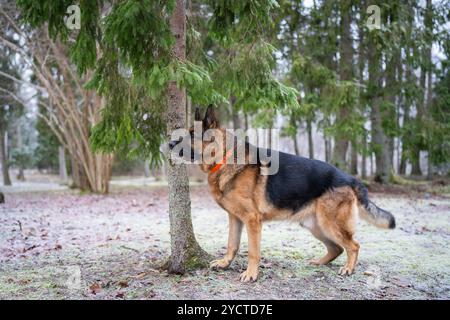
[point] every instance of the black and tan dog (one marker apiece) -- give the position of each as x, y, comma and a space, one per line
322, 198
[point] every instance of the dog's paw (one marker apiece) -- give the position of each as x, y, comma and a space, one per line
315, 262
345, 271
249, 275
219, 264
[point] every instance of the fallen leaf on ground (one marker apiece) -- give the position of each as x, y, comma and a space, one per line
95, 288
140, 276
29, 248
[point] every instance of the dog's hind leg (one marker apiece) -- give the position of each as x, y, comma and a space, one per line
352, 249
336, 218
234, 240
333, 249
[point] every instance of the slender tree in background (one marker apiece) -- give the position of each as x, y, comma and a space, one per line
345, 74
3, 155
10, 107
62, 164
21, 157
409, 92
428, 69
375, 96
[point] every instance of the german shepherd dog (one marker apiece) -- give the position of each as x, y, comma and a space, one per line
322, 198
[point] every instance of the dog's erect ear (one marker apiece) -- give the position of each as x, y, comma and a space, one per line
197, 115
210, 121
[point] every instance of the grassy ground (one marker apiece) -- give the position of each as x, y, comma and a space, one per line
61, 244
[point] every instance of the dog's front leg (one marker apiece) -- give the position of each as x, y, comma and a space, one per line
234, 241
254, 227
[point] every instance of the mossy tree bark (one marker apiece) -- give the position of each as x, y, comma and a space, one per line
186, 253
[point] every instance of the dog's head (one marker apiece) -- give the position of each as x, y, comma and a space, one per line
204, 137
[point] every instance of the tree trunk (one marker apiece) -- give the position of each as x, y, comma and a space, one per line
236, 120
293, 123
362, 59
354, 160
362, 50
364, 158
371, 164
185, 251
21, 174
339, 153
101, 171
62, 165
295, 142
428, 62
310, 139
407, 121
147, 172
4, 158
399, 105
415, 148
403, 159
327, 140
415, 152
415, 162
246, 122
269, 138
79, 179
74, 172
237, 123
379, 139
389, 114
429, 101
327, 148
345, 74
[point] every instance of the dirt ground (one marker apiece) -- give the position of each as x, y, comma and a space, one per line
62, 244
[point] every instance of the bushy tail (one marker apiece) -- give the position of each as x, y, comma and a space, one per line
369, 211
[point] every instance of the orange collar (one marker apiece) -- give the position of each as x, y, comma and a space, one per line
224, 160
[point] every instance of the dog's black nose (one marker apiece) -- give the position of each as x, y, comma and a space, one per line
172, 144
